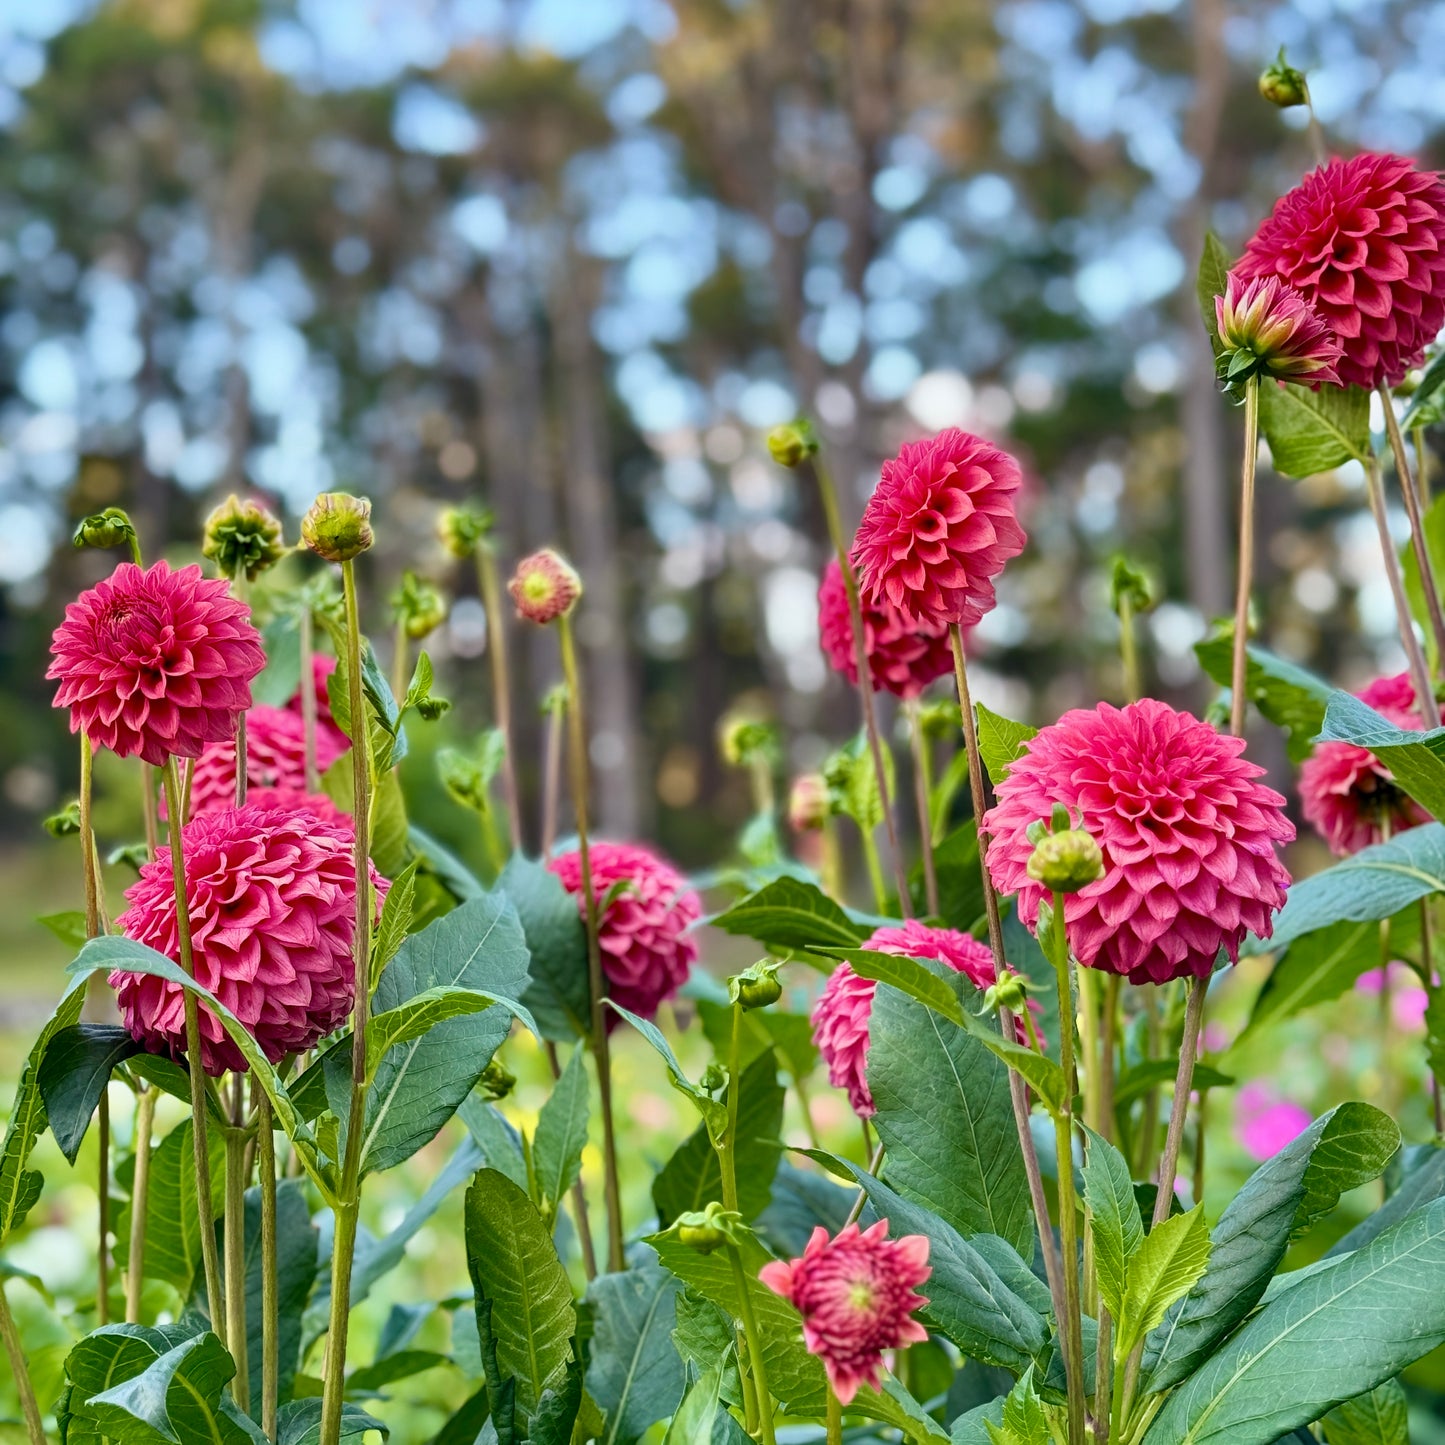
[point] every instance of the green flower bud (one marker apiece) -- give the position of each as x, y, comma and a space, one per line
743, 740
496, 1082
708, 1229
1282, 85
1010, 992
432, 707
1129, 585
417, 606
792, 444
713, 1078
756, 987
1067, 861
337, 526
242, 538
461, 530
554, 701
65, 823
110, 528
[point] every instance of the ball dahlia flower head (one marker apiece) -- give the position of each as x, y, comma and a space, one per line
155, 663
1347, 795
903, 656
275, 760
322, 667
1363, 243
938, 528
844, 1009
856, 1294
1189, 837
271, 895
647, 950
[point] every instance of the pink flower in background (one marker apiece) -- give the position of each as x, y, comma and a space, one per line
856, 1295
275, 758
1408, 1000
938, 528
1264, 1123
272, 902
1277, 327
155, 663
1188, 834
1346, 794
545, 587
843, 1010
294, 800
903, 656
322, 667
1363, 241
647, 950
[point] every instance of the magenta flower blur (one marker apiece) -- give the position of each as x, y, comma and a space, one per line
1265, 1123
275, 758
647, 951
856, 1295
322, 667
1188, 832
1268, 329
1363, 241
938, 528
903, 656
155, 663
272, 902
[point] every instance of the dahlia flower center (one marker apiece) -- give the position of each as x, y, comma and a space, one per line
536, 587
861, 1295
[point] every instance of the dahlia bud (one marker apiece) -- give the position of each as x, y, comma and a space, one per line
242, 538
1282, 85
461, 530
1268, 329
1129, 586
792, 444
1010, 992
337, 526
544, 587
65, 823
713, 1078
808, 803
431, 707
109, 528
1066, 862
554, 700
756, 987
497, 1082
744, 740
417, 606
708, 1229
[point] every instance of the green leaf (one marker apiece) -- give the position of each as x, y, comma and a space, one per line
73, 1074
946, 1118
1415, 759
853, 781
1339, 1151
296, 1269
395, 922
401, 1365
1024, 1421
1422, 1182
694, 1419
298, 1422
1138, 1079
500, 1144
68, 927
561, 1135
1335, 1335
1314, 431
558, 993
789, 914
1433, 527
1001, 742
1118, 1230
444, 865
1164, 1268
1288, 696
1211, 281
908, 976
1380, 1418
714, 1115
1424, 408
177, 1397
975, 1428
516, 1272
424, 1011
389, 830
634, 1372
20, 1186
559, 1408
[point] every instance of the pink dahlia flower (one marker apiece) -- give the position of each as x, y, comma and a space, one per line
272, 902
322, 666
647, 950
903, 656
1269, 330
1363, 241
856, 1296
155, 663
293, 800
841, 1015
275, 758
938, 528
545, 587
1188, 834
1348, 796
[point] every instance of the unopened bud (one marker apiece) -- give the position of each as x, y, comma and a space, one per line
1129, 586
65, 823
756, 987
431, 707
461, 530
544, 587
792, 444
110, 528
713, 1078
337, 526
554, 700
417, 606
1009, 992
743, 739
708, 1229
808, 803
496, 1082
1066, 862
242, 538
1282, 85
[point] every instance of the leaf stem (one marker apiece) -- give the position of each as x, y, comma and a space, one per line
145, 1113
270, 1285
1239, 692
491, 589
875, 869
756, 1364
727, 1152
552, 779
234, 1229
21, 1370
922, 786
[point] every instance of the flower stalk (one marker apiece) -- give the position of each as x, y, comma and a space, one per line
270, 1284
145, 1113
491, 589
922, 787
1239, 694
234, 1234
29, 1406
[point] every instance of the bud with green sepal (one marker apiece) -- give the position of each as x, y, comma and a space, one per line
1282, 85
462, 530
110, 528
708, 1229
417, 607
1065, 857
337, 526
66, 822
794, 443
242, 538
496, 1081
756, 987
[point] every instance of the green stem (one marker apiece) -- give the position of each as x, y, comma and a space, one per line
235, 1242
1089, 1045
1239, 691
1422, 463
875, 1163
581, 786
399, 660
756, 1364
148, 808
551, 780
875, 869
308, 702
270, 1285
215, 1294
348, 1200
21, 1370
491, 589
1103, 1376
145, 1113
727, 1155
922, 787
1129, 651
102, 1265
835, 1419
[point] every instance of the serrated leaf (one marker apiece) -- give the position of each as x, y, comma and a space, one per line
562, 1134
908, 976
424, 1011
634, 1373
790, 914
73, 1074
395, 921
178, 1397
1421, 1183
1211, 281
1380, 1418
1001, 742
1286, 695
1024, 1421
1314, 431
714, 1116
1165, 1267
1118, 1230
1415, 759
298, 1422
558, 994
693, 1421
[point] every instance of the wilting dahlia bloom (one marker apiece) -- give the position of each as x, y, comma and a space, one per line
155, 663
856, 1296
938, 528
646, 948
1187, 831
322, 666
1363, 241
903, 656
841, 1015
275, 758
1268, 329
1347, 794
272, 902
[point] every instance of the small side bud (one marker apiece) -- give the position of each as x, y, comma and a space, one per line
792, 444
431, 707
242, 538
554, 701
756, 987
461, 530
713, 1078
1066, 862
708, 1229
1009, 992
808, 804
337, 526
65, 823
417, 606
110, 528
1129, 586
744, 740
1282, 85
496, 1082
544, 587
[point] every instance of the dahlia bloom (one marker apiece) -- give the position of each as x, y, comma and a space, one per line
275, 759
322, 666
903, 656
155, 663
1187, 831
856, 1296
272, 901
545, 587
938, 528
841, 1015
1348, 796
1268, 329
1363, 241
643, 935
